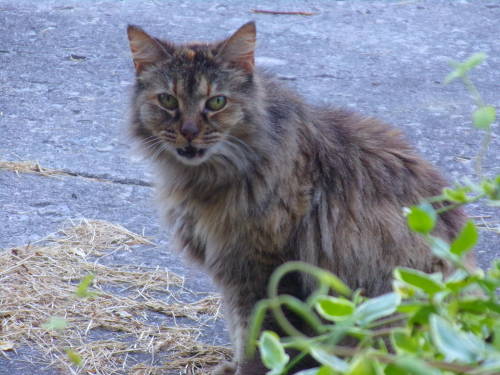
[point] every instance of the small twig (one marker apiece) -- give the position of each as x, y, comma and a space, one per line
6, 271
277, 12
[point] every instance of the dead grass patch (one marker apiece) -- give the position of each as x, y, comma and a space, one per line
39, 280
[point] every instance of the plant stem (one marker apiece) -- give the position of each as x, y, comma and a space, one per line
487, 137
473, 91
457, 205
297, 306
450, 207
485, 144
294, 361
389, 320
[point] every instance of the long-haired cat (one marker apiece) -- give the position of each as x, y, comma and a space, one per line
250, 176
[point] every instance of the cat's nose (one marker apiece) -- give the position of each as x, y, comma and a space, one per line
189, 130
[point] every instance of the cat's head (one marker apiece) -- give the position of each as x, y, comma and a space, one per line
191, 100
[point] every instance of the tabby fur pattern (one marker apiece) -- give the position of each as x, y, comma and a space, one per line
270, 178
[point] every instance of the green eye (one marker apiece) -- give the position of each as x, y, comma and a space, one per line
216, 103
168, 101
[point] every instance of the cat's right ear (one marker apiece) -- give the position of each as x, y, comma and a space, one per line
146, 50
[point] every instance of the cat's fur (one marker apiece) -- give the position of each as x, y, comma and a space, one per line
279, 179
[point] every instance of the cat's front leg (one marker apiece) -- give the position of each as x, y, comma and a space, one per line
241, 364
226, 368
239, 302
236, 323
238, 307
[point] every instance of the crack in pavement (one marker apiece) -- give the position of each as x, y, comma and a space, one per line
106, 178
35, 168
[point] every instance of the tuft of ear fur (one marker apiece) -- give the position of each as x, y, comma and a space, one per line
239, 48
145, 49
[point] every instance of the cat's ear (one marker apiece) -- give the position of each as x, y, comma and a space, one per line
239, 48
146, 50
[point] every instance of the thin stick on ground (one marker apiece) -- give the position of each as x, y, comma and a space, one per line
283, 13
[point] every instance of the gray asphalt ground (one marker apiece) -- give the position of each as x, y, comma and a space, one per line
66, 73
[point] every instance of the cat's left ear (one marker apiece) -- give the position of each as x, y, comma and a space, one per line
240, 47
146, 50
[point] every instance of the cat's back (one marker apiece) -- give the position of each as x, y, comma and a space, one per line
372, 154
333, 129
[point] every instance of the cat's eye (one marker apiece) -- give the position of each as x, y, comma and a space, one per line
216, 103
168, 101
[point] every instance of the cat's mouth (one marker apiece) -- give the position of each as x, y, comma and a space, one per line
191, 152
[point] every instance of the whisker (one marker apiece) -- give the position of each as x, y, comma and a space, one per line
159, 149
152, 145
151, 140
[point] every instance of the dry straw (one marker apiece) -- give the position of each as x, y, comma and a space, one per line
38, 282
29, 167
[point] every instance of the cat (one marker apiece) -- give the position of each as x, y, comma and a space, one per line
250, 177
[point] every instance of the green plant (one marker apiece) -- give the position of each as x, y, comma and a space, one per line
433, 324
484, 115
56, 323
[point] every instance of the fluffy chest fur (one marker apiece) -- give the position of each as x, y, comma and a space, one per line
220, 213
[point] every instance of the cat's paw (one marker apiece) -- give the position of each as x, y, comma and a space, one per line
225, 368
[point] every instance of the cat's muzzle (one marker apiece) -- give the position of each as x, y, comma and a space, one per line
191, 152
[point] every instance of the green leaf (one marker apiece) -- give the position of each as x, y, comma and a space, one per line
461, 69
418, 279
422, 315
496, 336
453, 343
458, 195
493, 189
474, 60
410, 307
403, 342
473, 305
334, 309
325, 358
490, 189
363, 365
376, 308
410, 366
326, 370
483, 117
453, 76
494, 271
441, 249
313, 371
55, 323
74, 357
421, 218
272, 352
82, 288
466, 239
404, 290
